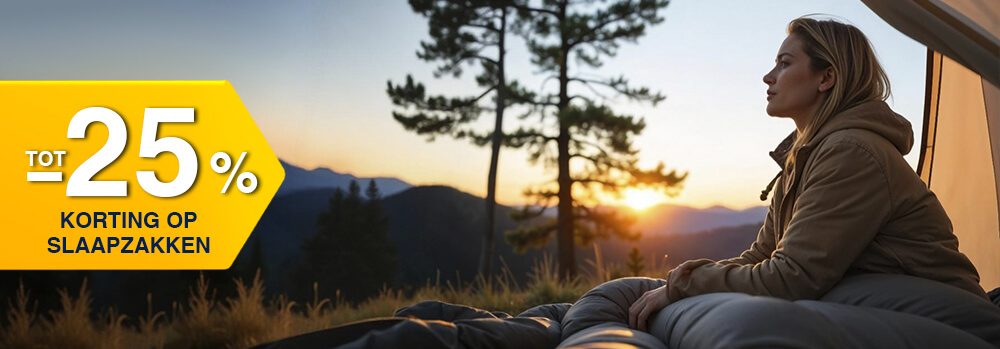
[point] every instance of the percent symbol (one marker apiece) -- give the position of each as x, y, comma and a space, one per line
226, 161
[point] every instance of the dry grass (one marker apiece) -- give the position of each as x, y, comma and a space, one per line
249, 319
18, 332
71, 327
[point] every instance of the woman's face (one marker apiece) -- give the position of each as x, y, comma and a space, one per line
794, 90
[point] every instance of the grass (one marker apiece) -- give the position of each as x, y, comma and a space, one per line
247, 319
17, 333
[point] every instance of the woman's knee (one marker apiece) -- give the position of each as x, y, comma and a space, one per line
630, 287
608, 302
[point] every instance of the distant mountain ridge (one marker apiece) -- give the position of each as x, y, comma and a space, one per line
298, 179
669, 219
437, 232
658, 220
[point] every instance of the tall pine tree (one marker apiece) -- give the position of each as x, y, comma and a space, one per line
566, 36
463, 31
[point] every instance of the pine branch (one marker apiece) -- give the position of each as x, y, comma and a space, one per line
620, 85
536, 10
602, 182
535, 236
593, 30
584, 98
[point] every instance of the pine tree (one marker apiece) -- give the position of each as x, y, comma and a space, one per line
350, 251
561, 35
635, 263
463, 31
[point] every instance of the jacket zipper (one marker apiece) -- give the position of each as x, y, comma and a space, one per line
790, 193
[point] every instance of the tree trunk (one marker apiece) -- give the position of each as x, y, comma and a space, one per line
564, 230
486, 259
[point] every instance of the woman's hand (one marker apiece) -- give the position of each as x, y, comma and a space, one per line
650, 302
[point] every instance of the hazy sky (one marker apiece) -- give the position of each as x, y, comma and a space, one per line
313, 75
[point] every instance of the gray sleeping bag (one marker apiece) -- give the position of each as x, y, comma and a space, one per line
865, 311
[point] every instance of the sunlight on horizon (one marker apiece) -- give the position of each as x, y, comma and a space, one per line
641, 199
637, 199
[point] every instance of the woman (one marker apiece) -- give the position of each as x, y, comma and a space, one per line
846, 202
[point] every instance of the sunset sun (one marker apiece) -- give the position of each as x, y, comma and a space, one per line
641, 199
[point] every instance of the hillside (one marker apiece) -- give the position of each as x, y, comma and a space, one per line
437, 228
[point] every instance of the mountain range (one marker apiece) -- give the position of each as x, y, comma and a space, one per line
437, 230
297, 178
667, 219
657, 220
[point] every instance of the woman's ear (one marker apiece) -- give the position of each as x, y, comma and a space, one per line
829, 79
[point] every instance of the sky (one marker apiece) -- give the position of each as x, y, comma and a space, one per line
313, 76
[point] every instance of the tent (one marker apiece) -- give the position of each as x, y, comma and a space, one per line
960, 157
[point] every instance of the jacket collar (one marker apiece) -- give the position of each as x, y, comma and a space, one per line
780, 153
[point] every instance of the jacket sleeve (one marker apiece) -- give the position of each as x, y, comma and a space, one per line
843, 202
761, 248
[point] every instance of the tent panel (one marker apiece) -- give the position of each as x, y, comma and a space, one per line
985, 14
947, 30
962, 171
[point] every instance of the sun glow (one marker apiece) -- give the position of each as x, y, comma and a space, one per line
641, 199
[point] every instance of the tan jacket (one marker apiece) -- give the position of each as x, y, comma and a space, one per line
852, 204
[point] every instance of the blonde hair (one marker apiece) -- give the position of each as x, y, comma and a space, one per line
859, 76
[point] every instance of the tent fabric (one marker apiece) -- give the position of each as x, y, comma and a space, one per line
986, 14
960, 158
964, 30
959, 162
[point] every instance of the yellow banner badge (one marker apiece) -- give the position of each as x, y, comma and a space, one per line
129, 175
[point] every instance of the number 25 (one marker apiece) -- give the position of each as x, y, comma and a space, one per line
80, 183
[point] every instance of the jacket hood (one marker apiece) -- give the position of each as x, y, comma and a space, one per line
874, 116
